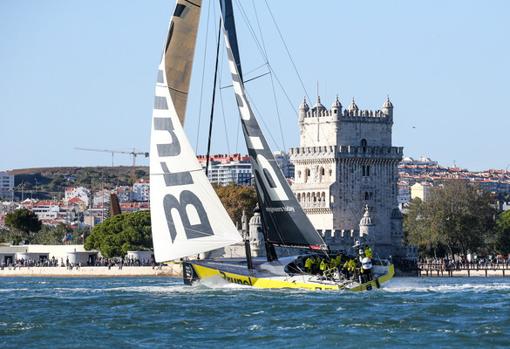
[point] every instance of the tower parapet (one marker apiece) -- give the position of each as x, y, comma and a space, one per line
319, 110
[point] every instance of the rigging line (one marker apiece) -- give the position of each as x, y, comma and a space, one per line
203, 77
261, 118
283, 89
220, 77
264, 55
245, 81
278, 113
259, 27
250, 29
287, 50
221, 103
213, 100
272, 82
256, 68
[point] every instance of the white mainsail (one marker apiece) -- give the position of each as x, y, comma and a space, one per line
187, 216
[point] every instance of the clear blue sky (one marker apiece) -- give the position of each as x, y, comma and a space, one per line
82, 73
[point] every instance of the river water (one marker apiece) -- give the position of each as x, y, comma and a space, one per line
162, 313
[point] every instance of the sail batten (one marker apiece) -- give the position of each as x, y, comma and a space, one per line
187, 216
285, 221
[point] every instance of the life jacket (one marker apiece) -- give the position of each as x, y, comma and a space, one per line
338, 260
308, 263
323, 265
368, 252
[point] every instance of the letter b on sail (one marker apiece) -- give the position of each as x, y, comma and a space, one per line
193, 231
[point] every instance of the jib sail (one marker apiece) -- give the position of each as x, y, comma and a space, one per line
187, 215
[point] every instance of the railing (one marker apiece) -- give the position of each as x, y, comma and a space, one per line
457, 268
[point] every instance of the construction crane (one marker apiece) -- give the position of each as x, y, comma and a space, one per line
133, 154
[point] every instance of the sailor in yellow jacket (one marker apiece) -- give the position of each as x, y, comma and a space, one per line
368, 252
323, 266
308, 264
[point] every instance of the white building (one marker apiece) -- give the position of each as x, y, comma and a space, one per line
36, 253
6, 186
124, 193
81, 193
101, 198
421, 191
46, 210
237, 172
141, 190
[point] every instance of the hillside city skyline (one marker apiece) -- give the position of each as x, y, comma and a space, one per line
447, 81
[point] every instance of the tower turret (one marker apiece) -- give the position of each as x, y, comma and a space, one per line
256, 234
353, 106
318, 107
387, 107
303, 109
336, 108
366, 226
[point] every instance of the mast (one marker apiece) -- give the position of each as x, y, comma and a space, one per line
212, 102
285, 221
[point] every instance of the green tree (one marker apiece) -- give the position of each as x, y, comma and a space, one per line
23, 223
51, 235
457, 217
502, 233
119, 234
236, 198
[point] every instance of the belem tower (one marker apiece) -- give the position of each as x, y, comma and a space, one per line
346, 175
345, 179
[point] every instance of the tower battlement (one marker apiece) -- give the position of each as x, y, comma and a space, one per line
351, 113
346, 150
371, 115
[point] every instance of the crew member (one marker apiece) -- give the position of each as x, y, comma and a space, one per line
323, 266
308, 264
368, 252
349, 268
366, 269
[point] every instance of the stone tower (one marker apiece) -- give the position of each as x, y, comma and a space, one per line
346, 162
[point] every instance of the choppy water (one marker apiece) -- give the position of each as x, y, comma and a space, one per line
162, 313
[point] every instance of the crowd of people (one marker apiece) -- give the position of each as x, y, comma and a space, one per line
468, 262
97, 262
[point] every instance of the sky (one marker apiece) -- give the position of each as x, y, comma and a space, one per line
82, 74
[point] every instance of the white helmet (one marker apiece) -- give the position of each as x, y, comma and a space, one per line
366, 263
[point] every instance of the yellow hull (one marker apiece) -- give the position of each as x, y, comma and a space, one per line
205, 272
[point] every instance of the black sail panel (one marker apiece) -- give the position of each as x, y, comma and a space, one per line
179, 52
284, 219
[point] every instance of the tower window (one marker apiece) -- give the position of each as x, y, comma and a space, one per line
364, 145
365, 170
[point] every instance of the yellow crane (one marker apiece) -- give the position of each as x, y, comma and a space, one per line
134, 153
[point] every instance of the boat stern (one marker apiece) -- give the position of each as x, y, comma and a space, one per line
189, 275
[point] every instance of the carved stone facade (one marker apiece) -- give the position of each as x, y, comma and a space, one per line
346, 162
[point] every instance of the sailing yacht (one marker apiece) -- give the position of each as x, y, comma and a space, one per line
187, 215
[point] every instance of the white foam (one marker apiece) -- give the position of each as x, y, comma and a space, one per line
425, 285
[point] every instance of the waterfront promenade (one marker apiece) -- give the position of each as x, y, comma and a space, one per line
463, 270
96, 271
